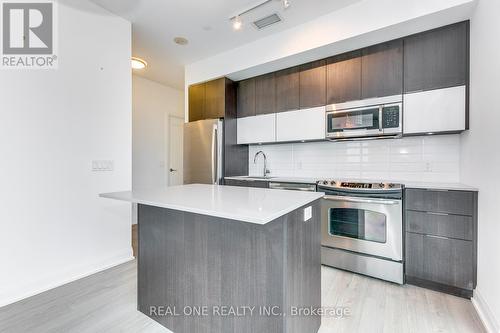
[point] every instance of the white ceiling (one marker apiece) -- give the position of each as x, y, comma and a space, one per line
205, 23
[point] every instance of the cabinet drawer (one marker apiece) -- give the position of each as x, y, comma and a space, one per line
453, 226
441, 260
246, 183
451, 202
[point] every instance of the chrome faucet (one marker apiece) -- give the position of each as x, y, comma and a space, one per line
260, 152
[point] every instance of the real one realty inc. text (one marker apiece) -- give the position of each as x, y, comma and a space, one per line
243, 311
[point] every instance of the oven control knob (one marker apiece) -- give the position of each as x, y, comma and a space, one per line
381, 185
325, 182
391, 185
332, 183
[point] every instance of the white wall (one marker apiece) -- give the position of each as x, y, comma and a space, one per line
416, 159
481, 154
54, 227
153, 103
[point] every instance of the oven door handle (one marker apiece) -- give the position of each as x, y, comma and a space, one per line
360, 200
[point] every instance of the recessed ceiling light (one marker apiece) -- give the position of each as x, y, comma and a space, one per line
180, 41
138, 63
237, 23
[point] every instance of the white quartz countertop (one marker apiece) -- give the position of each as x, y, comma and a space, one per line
254, 205
407, 184
440, 186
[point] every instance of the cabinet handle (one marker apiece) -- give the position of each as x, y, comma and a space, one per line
380, 113
436, 190
438, 237
439, 214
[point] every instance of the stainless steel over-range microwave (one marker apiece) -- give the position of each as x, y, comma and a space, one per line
369, 118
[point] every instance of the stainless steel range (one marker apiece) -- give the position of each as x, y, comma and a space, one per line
362, 228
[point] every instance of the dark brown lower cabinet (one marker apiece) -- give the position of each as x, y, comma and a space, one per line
246, 183
441, 248
441, 260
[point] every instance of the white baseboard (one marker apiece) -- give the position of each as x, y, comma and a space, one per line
490, 323
64, 277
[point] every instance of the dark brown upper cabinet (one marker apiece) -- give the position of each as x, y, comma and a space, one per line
246, 98
343, 78
207, 100
265, 94
196, 101
312, 82
437, 58
382, 70
287, 89
215, 99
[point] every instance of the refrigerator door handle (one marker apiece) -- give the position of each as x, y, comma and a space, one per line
214, 154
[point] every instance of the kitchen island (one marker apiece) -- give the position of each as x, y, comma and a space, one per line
228, 259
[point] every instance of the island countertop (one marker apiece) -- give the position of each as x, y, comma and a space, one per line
254, 205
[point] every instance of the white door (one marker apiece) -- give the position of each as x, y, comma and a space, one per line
175, 144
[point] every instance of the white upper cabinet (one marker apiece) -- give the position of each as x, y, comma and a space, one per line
306, 124
257, 129
440, 110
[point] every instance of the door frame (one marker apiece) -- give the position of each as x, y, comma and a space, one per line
168, 147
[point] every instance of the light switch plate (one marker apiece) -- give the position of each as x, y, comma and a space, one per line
103, 165
307, 213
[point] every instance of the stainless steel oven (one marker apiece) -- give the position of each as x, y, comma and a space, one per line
362, 228
370, 118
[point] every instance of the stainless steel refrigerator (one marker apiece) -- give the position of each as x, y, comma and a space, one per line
203, 152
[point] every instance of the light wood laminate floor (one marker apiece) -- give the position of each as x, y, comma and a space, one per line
106, 302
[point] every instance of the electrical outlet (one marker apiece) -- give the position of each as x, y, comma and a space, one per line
307, 213
103, 165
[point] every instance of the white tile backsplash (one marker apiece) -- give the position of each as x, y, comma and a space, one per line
426, 159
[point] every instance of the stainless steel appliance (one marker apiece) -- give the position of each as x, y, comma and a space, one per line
293, 186
203, 152
369, 118
362, 228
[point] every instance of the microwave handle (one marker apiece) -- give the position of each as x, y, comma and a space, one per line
380, 122
354, 129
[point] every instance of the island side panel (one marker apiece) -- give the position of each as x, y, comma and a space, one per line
154, 265
303, 269
191, 260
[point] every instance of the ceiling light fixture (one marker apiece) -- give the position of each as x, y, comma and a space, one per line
237, 23
286, 4
181, 41
138, 63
